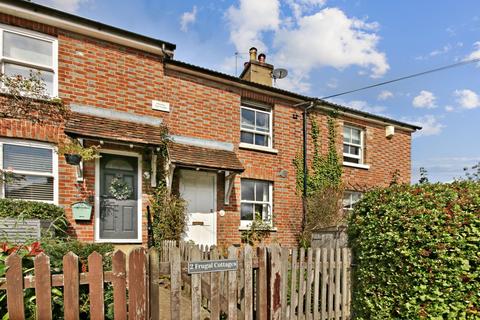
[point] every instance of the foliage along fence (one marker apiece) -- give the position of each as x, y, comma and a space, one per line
270, 283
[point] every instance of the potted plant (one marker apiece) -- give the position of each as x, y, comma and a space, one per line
74, 152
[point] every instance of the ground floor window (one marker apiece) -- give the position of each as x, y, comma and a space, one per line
350, 198
256, 200
31, 170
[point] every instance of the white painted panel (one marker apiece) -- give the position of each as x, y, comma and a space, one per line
198, 189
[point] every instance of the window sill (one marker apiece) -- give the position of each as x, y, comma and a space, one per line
356, 165
246, 228
244, 145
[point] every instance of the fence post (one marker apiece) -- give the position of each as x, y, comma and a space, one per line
14, 277
262, 290
154, 271
232, 286
71, 286
308, 293
293, 286
196, 286
95, 282
137, 284
275, 282
43, 286
301, 284
248, 271
175, 282
316, 285
119, 285
214, 289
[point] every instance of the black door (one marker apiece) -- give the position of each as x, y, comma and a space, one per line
118, 197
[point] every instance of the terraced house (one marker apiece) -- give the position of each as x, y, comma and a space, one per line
234, 138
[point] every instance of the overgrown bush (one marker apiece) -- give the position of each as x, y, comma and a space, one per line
169, 215
416, 252
21, 209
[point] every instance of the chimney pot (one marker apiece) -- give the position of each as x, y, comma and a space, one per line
262, 57
253, 54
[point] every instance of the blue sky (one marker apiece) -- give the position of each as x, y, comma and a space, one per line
332, 46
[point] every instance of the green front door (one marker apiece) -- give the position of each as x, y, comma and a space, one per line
118, 197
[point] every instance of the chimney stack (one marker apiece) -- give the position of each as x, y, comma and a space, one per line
257, 71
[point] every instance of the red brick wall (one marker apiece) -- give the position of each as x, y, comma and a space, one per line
105, 75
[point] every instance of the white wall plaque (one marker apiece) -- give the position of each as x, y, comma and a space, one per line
160, 105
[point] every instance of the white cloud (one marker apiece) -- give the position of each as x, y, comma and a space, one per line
63, 5
429, 123
300, 7
449, 108
476, 53
467, 99
332, 83
425, 99
362, 106
188, 18
249, 20
330, 38
384, 95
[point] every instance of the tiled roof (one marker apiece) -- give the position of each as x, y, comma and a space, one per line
194, 156
110, 129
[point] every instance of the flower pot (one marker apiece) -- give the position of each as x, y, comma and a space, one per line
73, 159
82, 211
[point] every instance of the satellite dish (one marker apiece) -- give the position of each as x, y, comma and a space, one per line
279, 73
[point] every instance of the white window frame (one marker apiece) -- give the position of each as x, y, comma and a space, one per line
53, 174
36, 35
246, 223
361, 146
269, 134
351, 193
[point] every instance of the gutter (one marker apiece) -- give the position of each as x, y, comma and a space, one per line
52, 17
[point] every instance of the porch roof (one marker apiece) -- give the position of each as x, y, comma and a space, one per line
194, 156
84, 125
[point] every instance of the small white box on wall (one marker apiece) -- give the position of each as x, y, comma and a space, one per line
389, 131
160, 105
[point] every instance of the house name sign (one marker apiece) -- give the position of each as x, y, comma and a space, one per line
212, 266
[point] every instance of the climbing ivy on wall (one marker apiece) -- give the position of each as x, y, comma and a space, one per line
326, 170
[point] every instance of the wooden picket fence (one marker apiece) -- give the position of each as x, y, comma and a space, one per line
270, 283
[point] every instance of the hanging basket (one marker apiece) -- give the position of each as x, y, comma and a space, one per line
73, 159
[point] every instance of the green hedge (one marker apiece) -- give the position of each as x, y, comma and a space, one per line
417, 252
21, 209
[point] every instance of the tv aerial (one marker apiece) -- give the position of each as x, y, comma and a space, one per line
279, 73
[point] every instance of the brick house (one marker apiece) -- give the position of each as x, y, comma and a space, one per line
234, 139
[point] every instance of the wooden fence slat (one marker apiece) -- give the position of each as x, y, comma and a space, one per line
331, 289
275, 282
248, 270
293, 287
316, 284
119, 285
323, 301
43, 286
214, 289
232, 286
344, 282
137, 284
262, 290
301, 284
349, 282
154, 277
95, 279
308, 294
71, 286
337, 283
175, 283
284, 275
14, 276
196, 286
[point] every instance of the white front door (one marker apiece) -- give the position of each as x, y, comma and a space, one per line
198, 188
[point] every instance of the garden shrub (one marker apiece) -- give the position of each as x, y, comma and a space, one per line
416, 252
21, 209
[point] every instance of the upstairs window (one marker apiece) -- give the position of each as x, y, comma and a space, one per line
350, 198
31, 171
353, 145
256, 126
256, 201
23, 52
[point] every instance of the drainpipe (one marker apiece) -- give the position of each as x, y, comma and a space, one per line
306, 106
